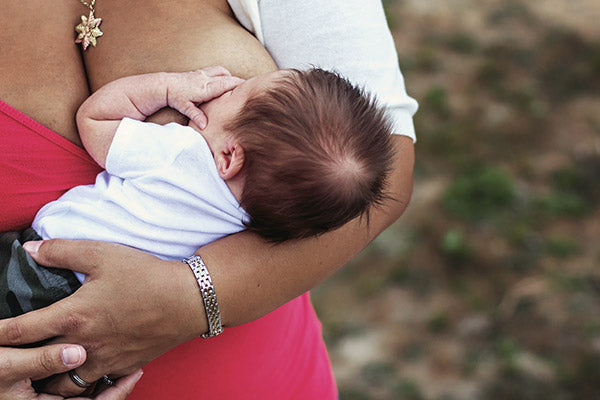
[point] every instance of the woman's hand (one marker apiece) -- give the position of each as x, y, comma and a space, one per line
19, 367
125, 314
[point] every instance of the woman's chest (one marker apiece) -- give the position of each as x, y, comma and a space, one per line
45, 76
148, 36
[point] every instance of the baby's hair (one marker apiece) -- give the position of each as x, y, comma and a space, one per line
317, 154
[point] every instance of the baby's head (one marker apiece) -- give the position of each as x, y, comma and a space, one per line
305, 153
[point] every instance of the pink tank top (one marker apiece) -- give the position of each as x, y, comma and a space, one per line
36, 166
280, 356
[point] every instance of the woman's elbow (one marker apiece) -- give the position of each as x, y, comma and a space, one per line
400, 180
399, 186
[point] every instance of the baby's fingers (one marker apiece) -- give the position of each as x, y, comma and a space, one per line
215, 87
195, 115
196, 87
215, 71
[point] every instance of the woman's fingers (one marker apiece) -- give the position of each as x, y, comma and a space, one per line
66, 254
63, 385
39, 362
37, 325
122, 388
20, 366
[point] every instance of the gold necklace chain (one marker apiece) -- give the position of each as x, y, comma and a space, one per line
89, 5
88, 30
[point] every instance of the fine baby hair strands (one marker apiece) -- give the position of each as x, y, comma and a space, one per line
323, 143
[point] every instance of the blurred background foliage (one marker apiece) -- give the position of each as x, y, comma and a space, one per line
489, 286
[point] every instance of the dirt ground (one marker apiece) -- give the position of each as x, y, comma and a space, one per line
489, 286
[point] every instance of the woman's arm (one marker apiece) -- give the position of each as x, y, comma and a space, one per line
351, 37
251, 277
258, 277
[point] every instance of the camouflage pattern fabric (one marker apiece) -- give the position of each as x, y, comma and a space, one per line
25, 285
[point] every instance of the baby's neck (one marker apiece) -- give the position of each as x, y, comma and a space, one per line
236, 186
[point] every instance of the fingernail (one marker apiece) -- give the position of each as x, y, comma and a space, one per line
139, 375
71, 355
32, 247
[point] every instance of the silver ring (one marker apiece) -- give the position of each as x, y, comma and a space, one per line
78, 381
107, 381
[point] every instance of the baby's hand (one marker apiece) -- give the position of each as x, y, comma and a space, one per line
185, 91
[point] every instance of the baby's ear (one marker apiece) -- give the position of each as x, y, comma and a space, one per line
231, 160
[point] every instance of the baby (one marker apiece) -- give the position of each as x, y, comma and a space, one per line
288, 155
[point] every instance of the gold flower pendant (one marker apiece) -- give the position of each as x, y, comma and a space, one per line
88, 30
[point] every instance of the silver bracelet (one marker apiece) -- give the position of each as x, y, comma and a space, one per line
209, 298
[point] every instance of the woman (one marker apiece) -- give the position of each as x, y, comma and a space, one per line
126, 322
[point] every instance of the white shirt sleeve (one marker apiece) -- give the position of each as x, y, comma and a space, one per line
347, 36
141, 147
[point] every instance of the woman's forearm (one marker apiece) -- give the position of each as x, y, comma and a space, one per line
252, 277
